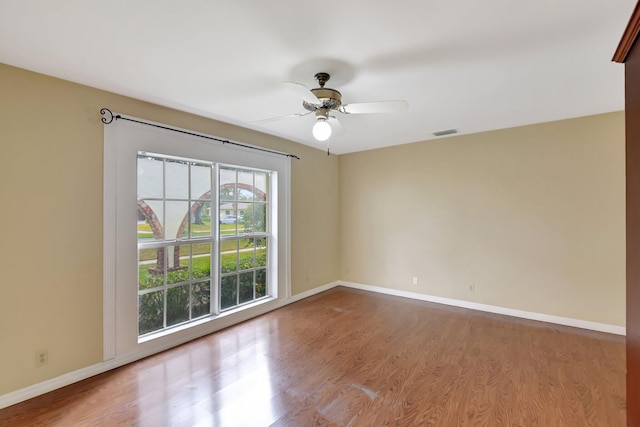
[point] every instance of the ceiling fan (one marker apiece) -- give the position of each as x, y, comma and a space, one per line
323, 101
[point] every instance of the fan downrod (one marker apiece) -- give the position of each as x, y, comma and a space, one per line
322, 78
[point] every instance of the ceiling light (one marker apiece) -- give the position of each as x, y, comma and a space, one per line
321, 129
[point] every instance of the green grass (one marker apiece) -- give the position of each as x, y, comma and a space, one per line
198, 249
197, 230
227, 229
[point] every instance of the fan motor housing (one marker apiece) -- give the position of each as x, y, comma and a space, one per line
331, 99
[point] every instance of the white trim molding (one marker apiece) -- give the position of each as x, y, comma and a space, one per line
109, 245
314, 291
541, 317
84, 373
115, 362
123, 142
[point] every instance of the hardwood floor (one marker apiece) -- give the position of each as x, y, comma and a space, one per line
349, 357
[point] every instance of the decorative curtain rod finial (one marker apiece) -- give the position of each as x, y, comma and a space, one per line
108, 116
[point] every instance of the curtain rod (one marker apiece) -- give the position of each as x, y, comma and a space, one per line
109, 117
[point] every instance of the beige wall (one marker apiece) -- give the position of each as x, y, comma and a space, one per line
532, 216
51, 140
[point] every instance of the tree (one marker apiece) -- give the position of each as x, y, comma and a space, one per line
255, 218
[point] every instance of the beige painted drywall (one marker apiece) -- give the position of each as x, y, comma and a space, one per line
532, 216
51, 140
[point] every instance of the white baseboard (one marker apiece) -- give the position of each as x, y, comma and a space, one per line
567, 321
311, 292
90, 371
99, 368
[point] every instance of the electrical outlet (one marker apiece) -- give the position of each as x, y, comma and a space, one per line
415, 281
472, 287
42, 357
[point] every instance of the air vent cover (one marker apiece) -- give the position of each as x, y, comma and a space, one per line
445, 132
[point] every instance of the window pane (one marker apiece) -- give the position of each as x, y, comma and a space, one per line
247, 254
200, 219
246, 287
150, 271
242, 210
201, 261
227, 184
176, 180
150, 312
261, 252
260, 190
260, 218
150, 176
228, 256
245, 186
176, 223
261, 283
177, 261
150, 220
177, 305
200, 182
200, 299
228, 291
228, 219
247, 219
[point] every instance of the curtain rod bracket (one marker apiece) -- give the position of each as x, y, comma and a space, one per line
107, 116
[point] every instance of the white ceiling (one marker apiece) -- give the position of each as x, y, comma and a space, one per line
465, 64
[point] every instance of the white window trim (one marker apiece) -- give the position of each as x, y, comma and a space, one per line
121, 140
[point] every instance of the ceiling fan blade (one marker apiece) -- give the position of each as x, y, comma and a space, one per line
303, 92
273, 119
375, 107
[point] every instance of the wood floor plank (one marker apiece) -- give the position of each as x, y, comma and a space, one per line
347, 357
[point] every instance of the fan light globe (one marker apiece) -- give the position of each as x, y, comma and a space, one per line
321, 130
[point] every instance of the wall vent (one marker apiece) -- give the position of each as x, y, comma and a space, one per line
445, 132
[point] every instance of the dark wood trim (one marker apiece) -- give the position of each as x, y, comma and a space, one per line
629, 54
629, 36
632, 126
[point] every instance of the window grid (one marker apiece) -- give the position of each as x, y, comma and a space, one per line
239, 273
172, 254
242, 271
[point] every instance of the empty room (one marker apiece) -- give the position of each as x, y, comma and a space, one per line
305, 214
